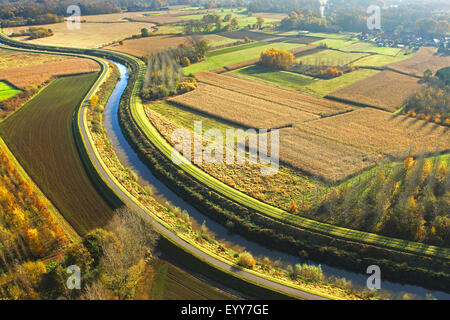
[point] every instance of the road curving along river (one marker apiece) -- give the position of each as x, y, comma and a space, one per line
129, 158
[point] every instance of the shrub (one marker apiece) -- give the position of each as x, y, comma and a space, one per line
246, 260
185, 62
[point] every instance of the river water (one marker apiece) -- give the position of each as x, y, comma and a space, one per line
162, 194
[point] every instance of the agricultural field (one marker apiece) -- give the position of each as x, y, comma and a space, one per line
90, 35
380, 60
241, 109
143, 46
372, 48
386, 90
315, 106
314, 144
7, 91
338, 43
43, 142
229, 56
330, 58
425, 58
279, 189
280, 78
323, 87
333, 148
24, 69
168, 282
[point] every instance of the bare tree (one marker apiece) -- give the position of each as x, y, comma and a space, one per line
123, 261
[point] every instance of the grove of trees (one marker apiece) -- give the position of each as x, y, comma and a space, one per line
408, 200
277, 59
165, 77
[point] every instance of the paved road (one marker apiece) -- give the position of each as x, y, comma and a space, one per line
166, 232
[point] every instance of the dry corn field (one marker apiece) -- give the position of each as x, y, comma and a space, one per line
278, 189
425, 58
90, 35
386, 90
316, 106
336, 147
143, 46
240, 108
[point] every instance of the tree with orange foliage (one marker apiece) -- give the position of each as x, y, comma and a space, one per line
277, 59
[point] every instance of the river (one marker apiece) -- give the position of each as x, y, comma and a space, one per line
163, 194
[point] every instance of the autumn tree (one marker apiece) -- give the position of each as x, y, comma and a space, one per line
123, 261
277, 59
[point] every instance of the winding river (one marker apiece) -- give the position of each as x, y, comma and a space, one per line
163, 194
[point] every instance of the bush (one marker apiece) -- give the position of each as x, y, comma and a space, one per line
185, 62
185, 86
246, 260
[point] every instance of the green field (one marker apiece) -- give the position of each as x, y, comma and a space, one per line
373, 48
241, 16
41, 137
336, 43
315, 34
324, 87
7, 91
279, 78
172, 283
232, 55
379, 60
330, 58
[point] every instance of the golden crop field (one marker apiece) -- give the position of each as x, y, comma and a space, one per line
241, 108
425, 58
90, 35
34, 69
143, 46
305, 103
387, 90
336, 147
10, 58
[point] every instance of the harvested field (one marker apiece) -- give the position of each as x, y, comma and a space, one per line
253, 35
141, 47
386, 90
319, 156
22, 77
424, 59
336, 147
241, 108
301, 102
13, 58
40, 135
278, 189
90, 35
